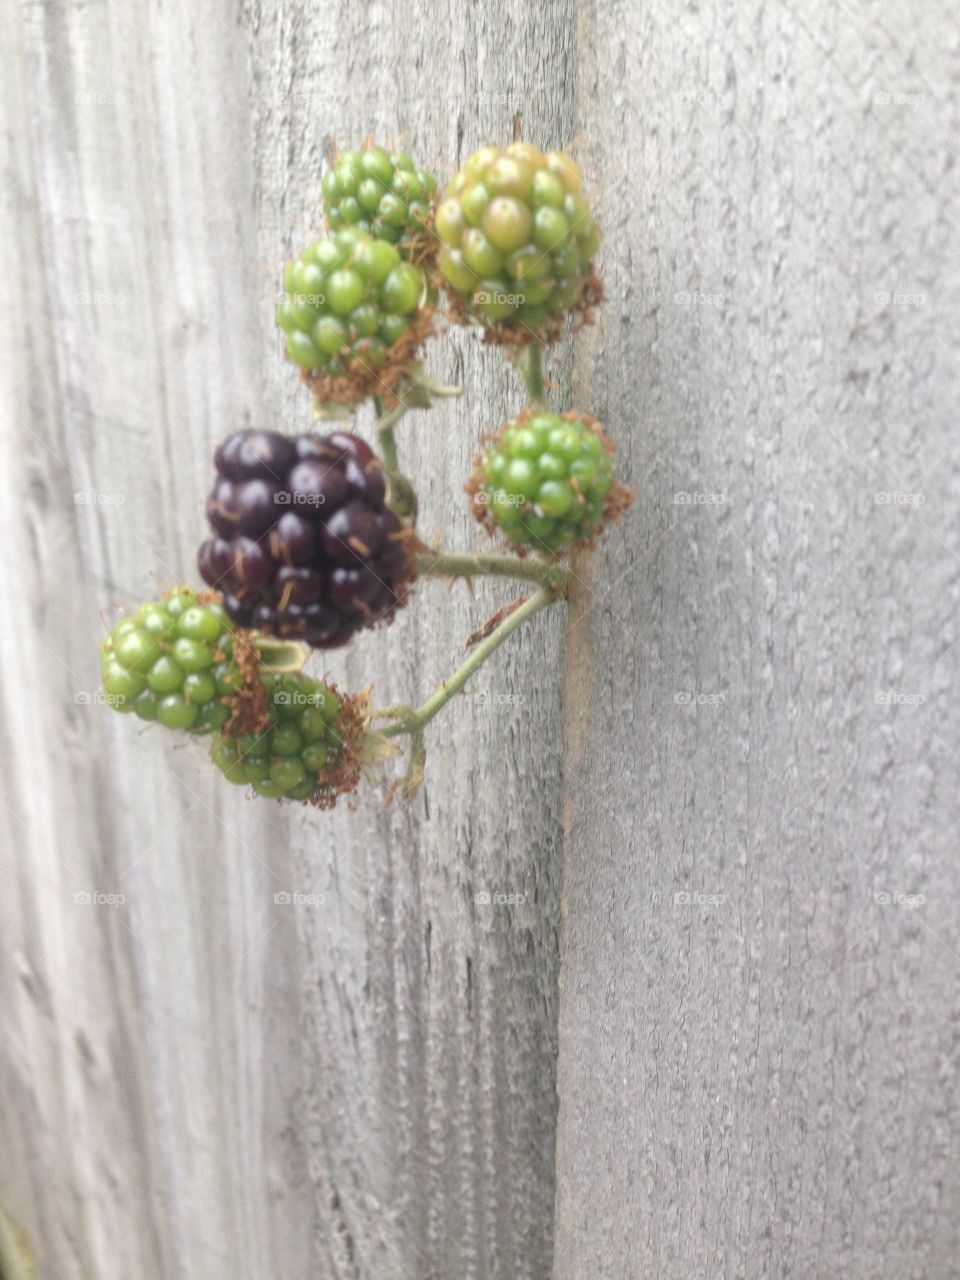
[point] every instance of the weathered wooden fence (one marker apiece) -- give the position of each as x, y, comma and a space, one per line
747, 776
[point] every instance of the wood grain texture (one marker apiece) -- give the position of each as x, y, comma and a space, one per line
759, 1001
759, 1016
199, 1082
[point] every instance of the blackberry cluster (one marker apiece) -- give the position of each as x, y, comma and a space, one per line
518, 237
304, 544
545, 481
172, 662
351, 306
378, 192
289, 756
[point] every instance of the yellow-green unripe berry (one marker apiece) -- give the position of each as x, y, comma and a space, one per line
517, 237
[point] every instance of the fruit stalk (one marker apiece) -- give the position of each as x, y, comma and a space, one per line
533, 375
422, 716
449, 564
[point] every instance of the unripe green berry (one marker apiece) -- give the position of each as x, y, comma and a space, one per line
544, 481
363, 299
379, 193
517, 239
286, 758
162, 663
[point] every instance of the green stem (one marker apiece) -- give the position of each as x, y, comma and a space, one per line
423, 715
533, 374
386, 421
446, 564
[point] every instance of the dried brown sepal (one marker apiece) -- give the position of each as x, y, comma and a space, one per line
511, 334
420, 245
619, 497
362, 381
342, 776
250, 707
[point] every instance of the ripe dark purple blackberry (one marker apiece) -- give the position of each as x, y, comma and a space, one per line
304, 545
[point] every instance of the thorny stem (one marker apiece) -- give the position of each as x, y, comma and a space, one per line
414, 722
446, 564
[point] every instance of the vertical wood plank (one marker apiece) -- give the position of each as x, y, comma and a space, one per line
759, 949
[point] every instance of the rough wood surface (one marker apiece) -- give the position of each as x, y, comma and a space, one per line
199, 1082
759, 1003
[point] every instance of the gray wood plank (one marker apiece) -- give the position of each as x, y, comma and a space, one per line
759, 956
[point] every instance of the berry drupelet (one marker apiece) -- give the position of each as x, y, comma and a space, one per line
304, 544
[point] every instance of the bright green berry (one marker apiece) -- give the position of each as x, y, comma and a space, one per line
170, 662
517, 237
286, 758
348, 300
544, 481
380, 193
